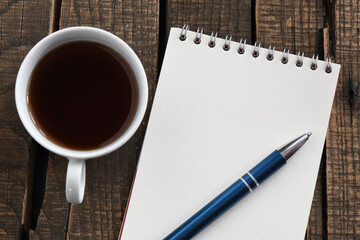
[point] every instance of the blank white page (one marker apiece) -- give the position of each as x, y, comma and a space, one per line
215, 115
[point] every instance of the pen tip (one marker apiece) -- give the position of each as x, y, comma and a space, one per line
309, 134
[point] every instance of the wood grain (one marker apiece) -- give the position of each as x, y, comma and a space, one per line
290, 24
22, 24
52, 214
343, 140
226, 17
53, 217
287, 23
296, 25
108, 178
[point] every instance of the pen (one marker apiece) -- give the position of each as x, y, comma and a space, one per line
239, 189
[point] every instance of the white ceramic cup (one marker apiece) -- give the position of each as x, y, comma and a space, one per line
75, 178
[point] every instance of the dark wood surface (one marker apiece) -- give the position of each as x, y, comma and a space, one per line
22, 25
343, 139
32, 181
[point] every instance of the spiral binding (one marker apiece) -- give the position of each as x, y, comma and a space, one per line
270, 55
197, 39
226, 46
299, 61
212, 40
183, 32
241, 49
256, 49
285, 56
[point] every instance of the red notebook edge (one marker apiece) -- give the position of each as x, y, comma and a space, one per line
127, 205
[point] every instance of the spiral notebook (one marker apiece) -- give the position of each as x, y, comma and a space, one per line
220, 107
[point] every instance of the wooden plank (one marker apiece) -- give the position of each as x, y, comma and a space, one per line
290, 24
343, 140
108, 178
226, 17
295, 25
53, 216
22, 24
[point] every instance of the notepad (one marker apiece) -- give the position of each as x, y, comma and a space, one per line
216, 114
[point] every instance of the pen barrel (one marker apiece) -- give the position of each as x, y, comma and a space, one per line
267, 167
229, 197
210, 212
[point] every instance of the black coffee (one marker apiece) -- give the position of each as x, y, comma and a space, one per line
82, 95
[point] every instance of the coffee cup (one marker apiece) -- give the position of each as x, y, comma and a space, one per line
75, 178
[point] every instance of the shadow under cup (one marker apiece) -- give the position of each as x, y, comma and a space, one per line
82, 95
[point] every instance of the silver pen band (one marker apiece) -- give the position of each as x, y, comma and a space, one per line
246, 184
253, 178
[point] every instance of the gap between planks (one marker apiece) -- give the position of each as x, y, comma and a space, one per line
37, 154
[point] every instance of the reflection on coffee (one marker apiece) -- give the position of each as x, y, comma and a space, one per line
82, 95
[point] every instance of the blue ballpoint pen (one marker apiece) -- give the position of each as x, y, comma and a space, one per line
247, 183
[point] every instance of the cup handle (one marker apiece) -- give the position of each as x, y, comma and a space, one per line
75, 180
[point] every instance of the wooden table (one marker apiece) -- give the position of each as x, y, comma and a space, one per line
32, 181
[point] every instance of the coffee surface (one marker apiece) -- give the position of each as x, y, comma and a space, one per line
82, 95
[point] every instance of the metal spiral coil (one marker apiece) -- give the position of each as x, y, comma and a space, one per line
256, 49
